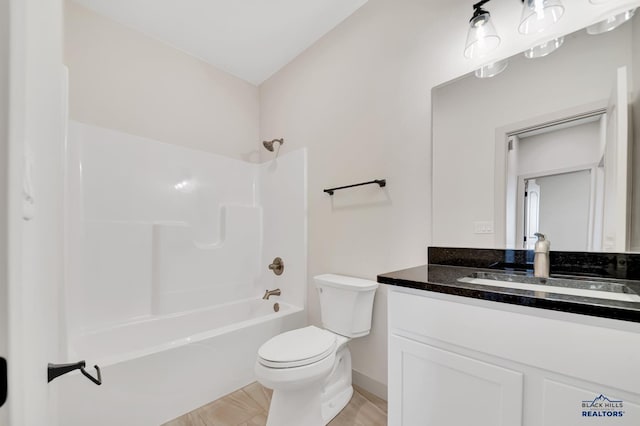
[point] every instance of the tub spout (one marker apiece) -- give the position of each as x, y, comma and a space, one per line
269, 293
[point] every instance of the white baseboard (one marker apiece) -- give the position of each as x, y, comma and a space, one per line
371, 385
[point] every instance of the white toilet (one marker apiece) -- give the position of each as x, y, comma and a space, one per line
309, 369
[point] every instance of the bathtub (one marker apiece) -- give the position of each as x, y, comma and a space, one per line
157, 368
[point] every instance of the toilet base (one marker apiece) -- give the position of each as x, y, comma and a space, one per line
331, 408
304, 407
337, 390
315, 403
296, 407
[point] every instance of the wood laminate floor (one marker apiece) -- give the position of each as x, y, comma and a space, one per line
249, 407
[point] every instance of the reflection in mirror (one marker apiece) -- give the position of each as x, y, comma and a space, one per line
546, 146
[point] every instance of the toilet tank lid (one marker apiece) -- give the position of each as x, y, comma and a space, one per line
345, 282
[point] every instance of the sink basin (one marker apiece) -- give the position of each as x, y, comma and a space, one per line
584, 288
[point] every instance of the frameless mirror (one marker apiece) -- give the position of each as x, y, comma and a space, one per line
550, 145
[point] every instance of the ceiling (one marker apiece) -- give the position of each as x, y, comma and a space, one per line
251, 39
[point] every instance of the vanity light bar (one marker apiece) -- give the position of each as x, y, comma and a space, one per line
537, 16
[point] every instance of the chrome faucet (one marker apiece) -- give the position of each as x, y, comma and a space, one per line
541, 257
269, 293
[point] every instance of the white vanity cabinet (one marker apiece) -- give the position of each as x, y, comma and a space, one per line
456, 361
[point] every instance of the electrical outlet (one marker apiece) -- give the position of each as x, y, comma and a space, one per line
483, 227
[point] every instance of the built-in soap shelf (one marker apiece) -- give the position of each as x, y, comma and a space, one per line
178, 272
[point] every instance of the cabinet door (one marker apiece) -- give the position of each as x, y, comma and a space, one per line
578, 404
434, 387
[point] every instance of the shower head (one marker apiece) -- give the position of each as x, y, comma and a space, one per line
269, 144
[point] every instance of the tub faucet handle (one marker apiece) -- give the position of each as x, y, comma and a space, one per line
277, 266
269, 293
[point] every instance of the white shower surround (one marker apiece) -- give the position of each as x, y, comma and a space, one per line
167, 256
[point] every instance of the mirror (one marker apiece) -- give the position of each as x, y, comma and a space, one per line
545, 146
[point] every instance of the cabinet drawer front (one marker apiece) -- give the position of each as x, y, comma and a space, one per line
436, 387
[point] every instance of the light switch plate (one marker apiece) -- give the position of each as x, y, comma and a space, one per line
483, 227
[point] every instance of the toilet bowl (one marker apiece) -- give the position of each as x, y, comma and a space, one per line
309, 369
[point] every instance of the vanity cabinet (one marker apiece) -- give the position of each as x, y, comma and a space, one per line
456, 361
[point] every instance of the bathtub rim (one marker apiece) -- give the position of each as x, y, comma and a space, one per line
286, 309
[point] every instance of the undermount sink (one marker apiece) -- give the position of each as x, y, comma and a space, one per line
584, 288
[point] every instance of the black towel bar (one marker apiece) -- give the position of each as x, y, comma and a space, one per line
381, 182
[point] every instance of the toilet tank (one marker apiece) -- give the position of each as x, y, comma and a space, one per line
346, 303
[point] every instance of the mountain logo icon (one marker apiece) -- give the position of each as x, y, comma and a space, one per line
600, 399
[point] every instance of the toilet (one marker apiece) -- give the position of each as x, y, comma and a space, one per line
309, 369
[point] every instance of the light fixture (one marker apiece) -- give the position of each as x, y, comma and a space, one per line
544, 49
538, 15
491, 70
482, 37
610, 23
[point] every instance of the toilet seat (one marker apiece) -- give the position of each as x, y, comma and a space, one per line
297, 348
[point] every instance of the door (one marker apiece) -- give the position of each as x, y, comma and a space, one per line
616, 167
564, 209
429, 386
4, 118
34, 206
531, 213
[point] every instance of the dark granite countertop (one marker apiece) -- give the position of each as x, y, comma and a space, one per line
442, 277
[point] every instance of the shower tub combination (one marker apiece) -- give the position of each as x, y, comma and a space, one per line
157, 369
168, 254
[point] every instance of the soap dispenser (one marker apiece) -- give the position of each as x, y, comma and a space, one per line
541, 258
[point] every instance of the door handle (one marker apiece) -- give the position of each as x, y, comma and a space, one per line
3, 381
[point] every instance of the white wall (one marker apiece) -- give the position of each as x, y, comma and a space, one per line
468, 112
560, 149
635, 122
4, 143
124, 80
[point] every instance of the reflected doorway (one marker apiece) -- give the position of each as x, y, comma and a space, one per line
559, 205
556, 182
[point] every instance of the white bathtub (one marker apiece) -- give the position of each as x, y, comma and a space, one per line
155, 369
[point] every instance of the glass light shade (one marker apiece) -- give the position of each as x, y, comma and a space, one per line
491, 70
598, 1
610, 23
544, 49
482, 37
538, 15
